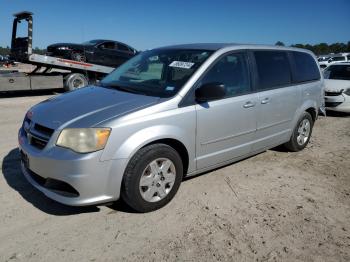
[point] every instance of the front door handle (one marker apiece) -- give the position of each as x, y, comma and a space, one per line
265, 101
249, 104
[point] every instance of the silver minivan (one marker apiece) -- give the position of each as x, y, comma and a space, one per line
168, 113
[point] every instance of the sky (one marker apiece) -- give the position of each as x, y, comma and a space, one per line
154, 23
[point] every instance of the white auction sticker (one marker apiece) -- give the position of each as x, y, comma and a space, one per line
181, 64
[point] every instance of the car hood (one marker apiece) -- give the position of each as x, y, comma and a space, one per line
334, 85
71, 45
87, 107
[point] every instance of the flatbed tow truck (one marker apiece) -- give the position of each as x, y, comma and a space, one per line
49, 72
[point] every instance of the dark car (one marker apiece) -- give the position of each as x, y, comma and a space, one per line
102, 52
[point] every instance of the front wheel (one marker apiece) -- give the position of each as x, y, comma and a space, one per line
301, 133
152, 177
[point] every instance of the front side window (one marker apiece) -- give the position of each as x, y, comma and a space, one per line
273, 69
159, 72
108, 45
339, 72
232, 71
306, 68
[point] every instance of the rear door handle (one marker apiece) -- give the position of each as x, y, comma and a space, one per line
249, 104
265, 101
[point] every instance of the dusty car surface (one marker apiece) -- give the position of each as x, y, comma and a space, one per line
167, 113
102, 52
337, 87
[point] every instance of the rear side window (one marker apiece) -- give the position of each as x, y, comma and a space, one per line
273, 69
306, 68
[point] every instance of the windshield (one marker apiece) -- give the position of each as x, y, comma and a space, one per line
91, 42
159, 72
340, 72
338, 58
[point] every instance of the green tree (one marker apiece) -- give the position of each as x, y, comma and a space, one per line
279, 43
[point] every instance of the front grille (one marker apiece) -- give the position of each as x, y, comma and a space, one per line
332, 104
44, 130
38, 135
327, 93
38, 143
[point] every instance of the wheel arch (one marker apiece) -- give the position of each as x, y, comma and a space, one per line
309, 106
170, 135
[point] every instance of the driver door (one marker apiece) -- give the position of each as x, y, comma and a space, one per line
105, 55
226, 127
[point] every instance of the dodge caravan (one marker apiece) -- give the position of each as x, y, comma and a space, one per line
168, 113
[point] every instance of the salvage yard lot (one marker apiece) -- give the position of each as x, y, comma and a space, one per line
271, 207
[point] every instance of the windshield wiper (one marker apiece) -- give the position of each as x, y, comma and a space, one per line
122, 88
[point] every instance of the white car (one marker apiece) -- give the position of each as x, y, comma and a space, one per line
337, 87
344, 57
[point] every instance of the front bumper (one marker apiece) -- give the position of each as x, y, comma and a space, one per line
339, 103
95, 181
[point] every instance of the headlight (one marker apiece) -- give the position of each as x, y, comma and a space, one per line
63, 48
347, 92
83, 140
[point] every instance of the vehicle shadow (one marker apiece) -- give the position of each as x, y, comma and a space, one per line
12, 173
337, 114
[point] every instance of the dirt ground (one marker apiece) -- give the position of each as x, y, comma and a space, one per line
276, 206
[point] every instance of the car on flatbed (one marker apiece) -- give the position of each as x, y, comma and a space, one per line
168, 113
101, 52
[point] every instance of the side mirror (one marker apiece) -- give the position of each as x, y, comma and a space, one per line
210, 91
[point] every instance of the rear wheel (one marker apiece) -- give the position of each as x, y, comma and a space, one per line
74, 81
152, 178
301, 133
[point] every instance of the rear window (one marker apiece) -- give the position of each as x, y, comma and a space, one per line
306, 68
273, 69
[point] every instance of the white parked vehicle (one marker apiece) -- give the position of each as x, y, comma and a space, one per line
337, 87
344, 57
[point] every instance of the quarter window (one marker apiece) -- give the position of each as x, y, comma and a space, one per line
306, 68
232, 71
273, 69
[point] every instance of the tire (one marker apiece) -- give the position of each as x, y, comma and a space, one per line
74, 81
301, 133
145, 190
78, 56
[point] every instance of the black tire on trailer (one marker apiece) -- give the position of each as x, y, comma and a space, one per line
74, 81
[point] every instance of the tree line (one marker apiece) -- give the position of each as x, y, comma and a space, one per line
7, 50
323, 48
